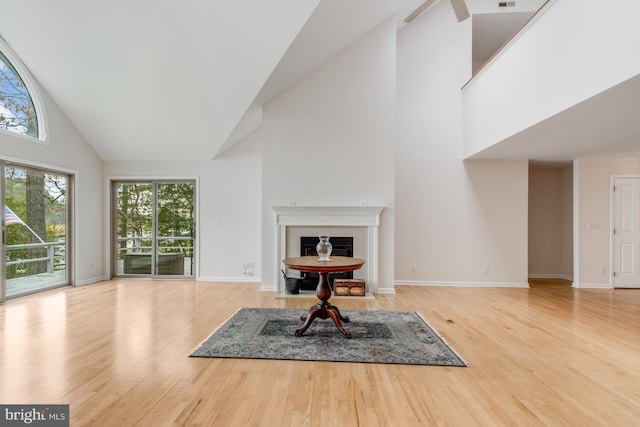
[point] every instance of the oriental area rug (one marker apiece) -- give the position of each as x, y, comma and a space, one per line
378, 337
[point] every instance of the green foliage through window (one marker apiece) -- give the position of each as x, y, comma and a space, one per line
38, 199
175, 217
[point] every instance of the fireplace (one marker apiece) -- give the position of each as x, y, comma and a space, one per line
342, 246
293, 221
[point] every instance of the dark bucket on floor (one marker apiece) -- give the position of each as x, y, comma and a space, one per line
292, 285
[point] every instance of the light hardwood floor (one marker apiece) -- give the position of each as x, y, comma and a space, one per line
117, 352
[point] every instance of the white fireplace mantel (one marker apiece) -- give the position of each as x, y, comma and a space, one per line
329, 216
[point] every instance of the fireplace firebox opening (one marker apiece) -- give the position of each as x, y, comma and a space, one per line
342, 246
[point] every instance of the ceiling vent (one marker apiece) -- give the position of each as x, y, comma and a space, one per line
506, 4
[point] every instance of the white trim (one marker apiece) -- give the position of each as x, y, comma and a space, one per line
268, 288
34, 93
39, 165
108, 216
316, 215
92, 280
73, 218
576, 220
591, 285
26, 138
612, 182
293, 215
74, 175
463, 284
234, 279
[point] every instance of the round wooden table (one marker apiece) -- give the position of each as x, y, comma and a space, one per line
323, 309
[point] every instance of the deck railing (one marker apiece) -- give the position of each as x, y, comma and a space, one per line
55, 258
138, 245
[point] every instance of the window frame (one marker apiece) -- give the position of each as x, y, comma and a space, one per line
32, 88
71, 206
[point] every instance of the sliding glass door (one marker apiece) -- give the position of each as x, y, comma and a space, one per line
154, 228
35, 251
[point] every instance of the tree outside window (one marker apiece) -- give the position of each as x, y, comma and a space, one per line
17, 113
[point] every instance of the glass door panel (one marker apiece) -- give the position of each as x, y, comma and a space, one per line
175, 228
35, 230
154, 228
134, 227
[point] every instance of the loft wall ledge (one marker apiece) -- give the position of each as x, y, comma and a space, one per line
510, 41
549, 93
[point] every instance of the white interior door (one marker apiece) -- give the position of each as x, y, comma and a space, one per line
626, 233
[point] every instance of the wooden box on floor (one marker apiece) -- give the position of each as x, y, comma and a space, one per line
348, 287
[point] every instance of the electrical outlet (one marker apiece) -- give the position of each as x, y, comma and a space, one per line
248, 268
485, 269
413, 268
603, 270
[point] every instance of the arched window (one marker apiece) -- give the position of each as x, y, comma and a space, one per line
18, 108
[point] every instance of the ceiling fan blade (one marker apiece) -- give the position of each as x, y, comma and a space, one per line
413, 15
460, 9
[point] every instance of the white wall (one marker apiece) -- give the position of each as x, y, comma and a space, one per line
566, 215
593, 216
329, 140
453, 218
67, 151
228, 211
541, 74
384, 119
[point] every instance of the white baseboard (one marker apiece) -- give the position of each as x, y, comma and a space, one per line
91, 280
591, 285
464, 284
235, 279
240, 279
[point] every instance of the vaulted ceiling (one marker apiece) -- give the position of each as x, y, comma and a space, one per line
157, 80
